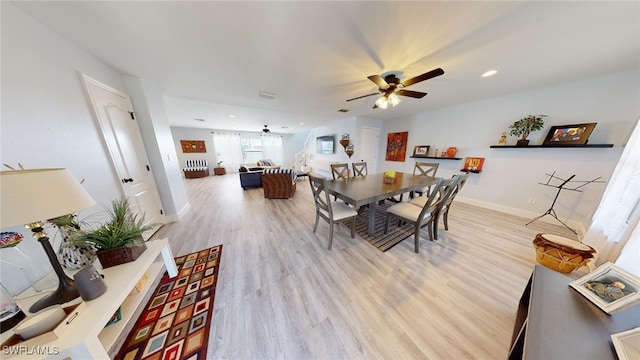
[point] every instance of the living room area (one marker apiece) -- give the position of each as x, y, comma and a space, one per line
280, 292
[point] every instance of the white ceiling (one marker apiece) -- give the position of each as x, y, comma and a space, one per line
211, 58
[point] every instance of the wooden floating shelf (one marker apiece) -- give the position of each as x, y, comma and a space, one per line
552, 146
433, 157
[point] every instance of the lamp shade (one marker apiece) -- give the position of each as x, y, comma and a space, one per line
34, 195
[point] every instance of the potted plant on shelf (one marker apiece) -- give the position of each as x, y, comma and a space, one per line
525, 126
219, 170
119, 240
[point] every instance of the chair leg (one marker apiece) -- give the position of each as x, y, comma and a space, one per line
330, 234
445, 219
353, 227
430, 229
417, 238
315, 227
386, 223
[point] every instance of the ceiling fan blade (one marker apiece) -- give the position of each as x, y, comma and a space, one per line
379, 81
413, 94
423, 77
363, 96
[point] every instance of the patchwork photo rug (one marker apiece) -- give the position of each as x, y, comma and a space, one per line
176, 321
383, 242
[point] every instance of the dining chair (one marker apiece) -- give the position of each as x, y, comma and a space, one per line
417, 216
339, 170
444, 211
359, 168
331, 211
447, 193
424, 169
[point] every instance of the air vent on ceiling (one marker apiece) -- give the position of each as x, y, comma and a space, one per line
266, 95
198, 119
343, 110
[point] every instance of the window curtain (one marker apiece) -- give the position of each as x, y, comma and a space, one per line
228, 150
618, 214
272, 148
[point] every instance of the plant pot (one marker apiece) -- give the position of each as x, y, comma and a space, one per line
119, 255
219, 171
522, 143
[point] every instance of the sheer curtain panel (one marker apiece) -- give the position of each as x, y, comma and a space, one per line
228, 150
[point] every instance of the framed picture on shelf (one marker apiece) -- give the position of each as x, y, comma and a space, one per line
577, 134
421, 151
473, 164
609, 287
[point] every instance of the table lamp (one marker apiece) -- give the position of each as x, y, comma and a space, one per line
31, 197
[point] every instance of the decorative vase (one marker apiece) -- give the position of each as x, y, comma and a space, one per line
349, 150
451, 152
119, 255
73, 256
522, 143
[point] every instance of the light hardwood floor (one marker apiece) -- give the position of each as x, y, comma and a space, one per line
282, 295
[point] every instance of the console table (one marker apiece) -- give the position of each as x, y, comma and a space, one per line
82, 335
556, 322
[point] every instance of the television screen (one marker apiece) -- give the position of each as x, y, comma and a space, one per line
324, 144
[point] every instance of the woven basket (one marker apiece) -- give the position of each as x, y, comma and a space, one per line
561, 254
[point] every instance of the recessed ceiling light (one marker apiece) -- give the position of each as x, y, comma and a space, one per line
232, 116
301, 123
490, 73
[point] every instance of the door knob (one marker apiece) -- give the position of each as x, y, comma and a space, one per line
127, 180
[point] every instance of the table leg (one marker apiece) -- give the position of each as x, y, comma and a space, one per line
372, 217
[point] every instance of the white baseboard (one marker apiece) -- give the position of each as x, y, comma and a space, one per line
578, 226
185, 209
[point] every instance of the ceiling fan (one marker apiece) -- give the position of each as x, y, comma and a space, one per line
390, 87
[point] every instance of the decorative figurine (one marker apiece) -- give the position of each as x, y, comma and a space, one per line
503, 139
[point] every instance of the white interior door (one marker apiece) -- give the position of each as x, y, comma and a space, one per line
369, 137
114, 112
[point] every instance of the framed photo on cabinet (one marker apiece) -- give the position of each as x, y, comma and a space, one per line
609, 287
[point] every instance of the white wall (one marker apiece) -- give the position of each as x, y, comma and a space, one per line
47, 120
511, 176
156, 133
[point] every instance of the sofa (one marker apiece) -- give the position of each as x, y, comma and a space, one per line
278, 183
250, 178
196, 169
267, 164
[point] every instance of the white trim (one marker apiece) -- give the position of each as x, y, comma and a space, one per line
521, 213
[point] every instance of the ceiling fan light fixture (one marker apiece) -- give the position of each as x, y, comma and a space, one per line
382, 102
393, 99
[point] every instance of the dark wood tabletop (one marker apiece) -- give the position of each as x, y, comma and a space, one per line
370, 189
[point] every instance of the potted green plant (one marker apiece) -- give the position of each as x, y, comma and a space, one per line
525, 126
119, 240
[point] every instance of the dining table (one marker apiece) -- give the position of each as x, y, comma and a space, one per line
372, 188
